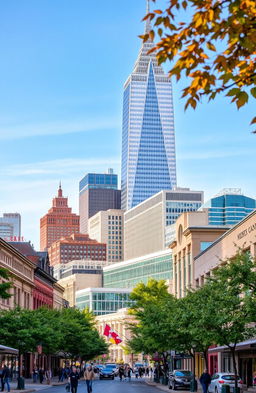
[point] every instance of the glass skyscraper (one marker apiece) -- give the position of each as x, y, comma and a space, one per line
97, 191
148, 139
229, 207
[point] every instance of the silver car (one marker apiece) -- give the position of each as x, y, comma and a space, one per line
219, 379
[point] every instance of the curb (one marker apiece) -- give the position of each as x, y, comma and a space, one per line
158, 386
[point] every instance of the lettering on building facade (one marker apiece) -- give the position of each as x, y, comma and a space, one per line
246, 232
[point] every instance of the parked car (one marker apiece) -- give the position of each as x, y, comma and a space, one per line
114, 367
179, 379
98, 367
107, 373
219, 379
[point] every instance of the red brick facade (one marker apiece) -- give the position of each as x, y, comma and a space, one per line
58, 222
77, 246
42, 294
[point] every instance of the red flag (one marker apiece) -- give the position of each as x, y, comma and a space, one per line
107, 330
116, 338
113, 337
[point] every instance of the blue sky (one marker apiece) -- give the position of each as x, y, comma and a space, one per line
63, 65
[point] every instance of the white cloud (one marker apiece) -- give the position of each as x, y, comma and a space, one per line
10, 132
62, 167
207, 155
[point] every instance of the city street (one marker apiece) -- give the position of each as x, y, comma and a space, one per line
109, 387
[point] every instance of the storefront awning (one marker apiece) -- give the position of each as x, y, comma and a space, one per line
248, 344
8, 350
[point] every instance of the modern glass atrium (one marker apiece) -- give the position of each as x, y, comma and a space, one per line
128, 274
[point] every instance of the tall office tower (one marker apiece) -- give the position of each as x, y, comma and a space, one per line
148, 138
58, 222
97, 192
229, 207
10, 225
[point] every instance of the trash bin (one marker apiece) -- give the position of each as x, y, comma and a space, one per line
21, 383
193, 385
225, 388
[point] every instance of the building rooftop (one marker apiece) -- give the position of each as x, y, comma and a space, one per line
227, 233
132, 261
104, 290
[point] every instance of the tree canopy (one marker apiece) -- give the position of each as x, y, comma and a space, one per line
221, 312
213, 43
69, 331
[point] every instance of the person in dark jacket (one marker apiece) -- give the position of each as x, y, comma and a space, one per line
41, 375
6, 377
205, 380
121, 372
2, 380
73, 378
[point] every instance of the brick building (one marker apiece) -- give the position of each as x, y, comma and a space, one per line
43, 274
21, 269
77, 246
58, 222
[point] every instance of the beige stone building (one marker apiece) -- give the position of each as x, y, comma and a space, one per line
76, 282
192, 235
119, 323
22, 276
146, 224
77, 275
242, 235
108, 227
58, 296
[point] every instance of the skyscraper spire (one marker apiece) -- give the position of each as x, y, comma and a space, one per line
148, 148
147, 10
148, 24
60, 191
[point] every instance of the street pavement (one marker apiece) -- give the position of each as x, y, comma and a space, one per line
108, 386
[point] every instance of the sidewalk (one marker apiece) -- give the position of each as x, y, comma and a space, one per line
33, 387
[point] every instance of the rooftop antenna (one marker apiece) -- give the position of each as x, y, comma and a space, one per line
148, 24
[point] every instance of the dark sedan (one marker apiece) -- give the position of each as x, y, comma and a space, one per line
180, 379
107, 373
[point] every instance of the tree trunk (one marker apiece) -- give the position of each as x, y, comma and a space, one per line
233, 354
206, 359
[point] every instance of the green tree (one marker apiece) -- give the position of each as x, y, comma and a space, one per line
152, 330
6, 284
225, 306
69, 330
212, 43
191, 337
80, 338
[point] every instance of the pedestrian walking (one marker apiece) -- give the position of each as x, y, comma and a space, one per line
205, 380
41, 375
2, 379
35, 375
129, 373
89, 376
140, 372
6, 377
121, 372
48, 376
73, 379
136, 371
